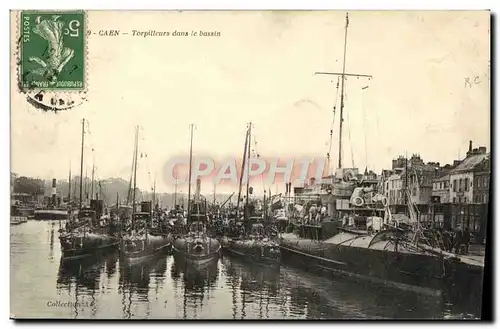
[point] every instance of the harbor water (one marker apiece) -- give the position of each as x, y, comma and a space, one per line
102, 288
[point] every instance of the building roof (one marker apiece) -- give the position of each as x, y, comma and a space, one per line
470, 163
442, 178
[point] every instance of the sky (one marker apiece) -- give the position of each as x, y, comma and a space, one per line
261, 69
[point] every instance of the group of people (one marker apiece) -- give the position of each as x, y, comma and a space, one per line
458, 240
313, 213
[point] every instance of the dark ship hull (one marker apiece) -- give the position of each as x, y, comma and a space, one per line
197, 251
379, 259
254, 250
51, 214
25, 212
142, 248
80, 245
465, 282
369, 258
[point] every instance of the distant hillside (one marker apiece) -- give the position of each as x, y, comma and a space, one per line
107, 188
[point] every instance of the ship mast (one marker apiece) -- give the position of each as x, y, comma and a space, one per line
215, 188
190, 169
406, 182
92, 183
175, 194
69, 187
342, 83
241, 176
81, 165
86, 185
135, 170
248, 165
154, 193
129, 194
343, 76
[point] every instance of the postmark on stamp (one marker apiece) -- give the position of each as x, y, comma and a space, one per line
52, 58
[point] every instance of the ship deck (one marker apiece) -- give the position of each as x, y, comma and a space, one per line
474, 258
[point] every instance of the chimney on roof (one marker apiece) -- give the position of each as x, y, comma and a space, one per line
482, 150
470, 146
54, 192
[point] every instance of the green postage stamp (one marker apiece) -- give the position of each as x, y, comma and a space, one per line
52, 50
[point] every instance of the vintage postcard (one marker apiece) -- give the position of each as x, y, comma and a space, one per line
249, 164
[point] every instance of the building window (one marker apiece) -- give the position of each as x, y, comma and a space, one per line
465, 199
454, 200
466, 184
485, 198
454, 185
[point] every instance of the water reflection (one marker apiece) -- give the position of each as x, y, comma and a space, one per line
340, 298
51, 241
81, 278
251, 285
136, 281
100, 288
198, 284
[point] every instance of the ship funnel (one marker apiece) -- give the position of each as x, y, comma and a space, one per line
197, 191
54, 192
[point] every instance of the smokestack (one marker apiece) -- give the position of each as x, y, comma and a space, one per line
197, 191
470, 146
54, 192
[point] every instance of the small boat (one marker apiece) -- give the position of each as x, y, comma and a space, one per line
84, 235
197, 247
141, 243
256, 245
253, 238
84, 241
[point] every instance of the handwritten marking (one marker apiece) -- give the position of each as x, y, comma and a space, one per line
472, 81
